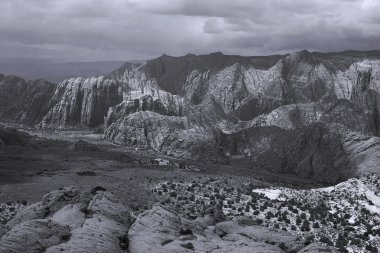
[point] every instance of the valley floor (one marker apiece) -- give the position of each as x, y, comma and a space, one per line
141, 178
49, 161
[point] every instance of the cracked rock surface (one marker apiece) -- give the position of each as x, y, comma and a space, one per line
67, 220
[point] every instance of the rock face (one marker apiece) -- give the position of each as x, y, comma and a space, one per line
24, 101
67, 220
230, 94
202, 107
82, 102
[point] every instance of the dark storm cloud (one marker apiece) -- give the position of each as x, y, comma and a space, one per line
140, 29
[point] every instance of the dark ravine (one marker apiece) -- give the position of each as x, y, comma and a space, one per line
211, 106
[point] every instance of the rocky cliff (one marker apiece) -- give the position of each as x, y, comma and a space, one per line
82, 102
239, 105
24, 101
209, 106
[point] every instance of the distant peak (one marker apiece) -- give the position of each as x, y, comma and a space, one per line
217, 53
305, 51
303, 55
165, 55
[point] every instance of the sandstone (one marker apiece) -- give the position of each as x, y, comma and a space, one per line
33, 236
67, 220
161, 230
318, 247
82, 102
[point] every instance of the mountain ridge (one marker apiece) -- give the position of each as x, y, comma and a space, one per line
228, 101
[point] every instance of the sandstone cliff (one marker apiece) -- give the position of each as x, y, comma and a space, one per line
82, 102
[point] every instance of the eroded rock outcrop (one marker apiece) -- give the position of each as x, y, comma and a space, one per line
195, 107
315, 152
68, 220
82, 102
162, 230
145, 128
24, 101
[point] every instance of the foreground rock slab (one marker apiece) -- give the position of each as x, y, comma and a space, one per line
67, 220
162, 230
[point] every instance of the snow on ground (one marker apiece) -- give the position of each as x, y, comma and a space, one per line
375, 208
270, 193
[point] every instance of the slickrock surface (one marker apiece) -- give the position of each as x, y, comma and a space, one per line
67, 220
162, 230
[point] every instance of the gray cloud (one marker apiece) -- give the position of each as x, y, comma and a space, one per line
67, 30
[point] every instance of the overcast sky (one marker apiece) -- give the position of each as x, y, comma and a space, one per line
88, 30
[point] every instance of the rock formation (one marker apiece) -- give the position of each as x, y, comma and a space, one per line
202, 107
24, 101
82, 102
67, 220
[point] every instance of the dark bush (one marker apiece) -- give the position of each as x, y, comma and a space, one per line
186, 231
124, 242
188, 245
96, 189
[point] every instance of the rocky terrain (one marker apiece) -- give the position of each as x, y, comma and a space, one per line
23, 101
67, 220
160, 205
215, 106
208, 153
345, 215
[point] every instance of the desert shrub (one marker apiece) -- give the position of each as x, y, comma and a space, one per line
340, 242
65, 238
96, 189
371, 248
188, 245
326, 240
186, 231
124, 241
166, 242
